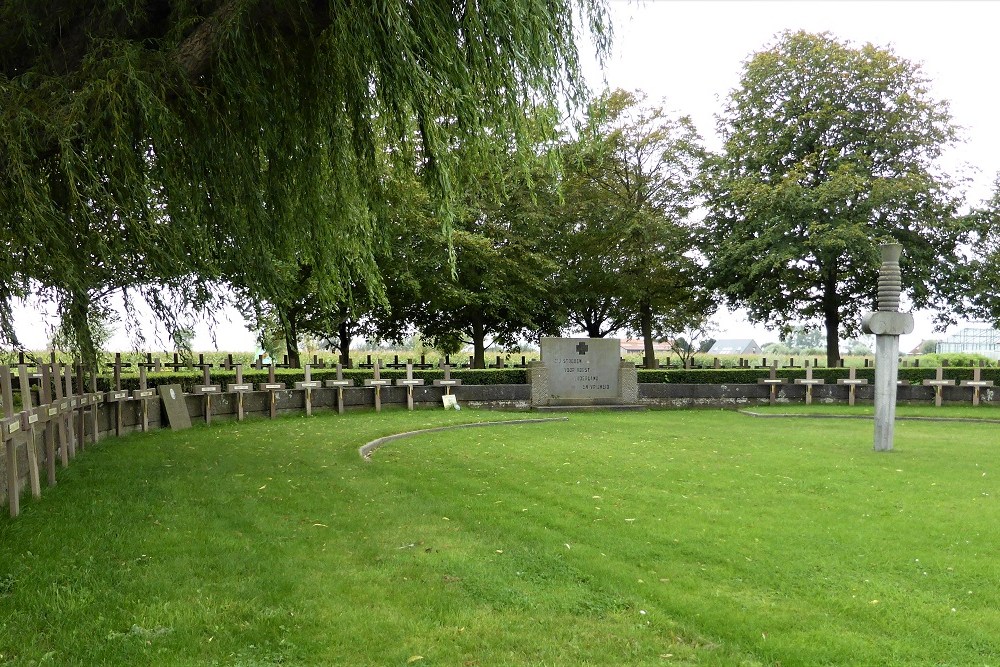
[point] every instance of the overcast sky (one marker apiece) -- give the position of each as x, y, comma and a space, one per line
690, 54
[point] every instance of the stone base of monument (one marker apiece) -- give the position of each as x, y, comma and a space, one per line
583, 407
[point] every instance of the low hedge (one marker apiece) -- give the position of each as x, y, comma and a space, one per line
830, 375
190, 379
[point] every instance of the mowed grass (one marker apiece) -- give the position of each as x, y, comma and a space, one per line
667, 537
924, 411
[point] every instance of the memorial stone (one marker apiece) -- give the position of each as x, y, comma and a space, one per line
176, 408
582, 372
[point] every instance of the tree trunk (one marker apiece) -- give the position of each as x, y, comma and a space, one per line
78, 317
344, 334
594, 329
478, 344
646, 327
291, 331
831, 316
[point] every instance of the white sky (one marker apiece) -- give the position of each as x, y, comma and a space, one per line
690, 53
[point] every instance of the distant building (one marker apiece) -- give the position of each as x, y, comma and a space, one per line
973, 340
735, 346
633, 346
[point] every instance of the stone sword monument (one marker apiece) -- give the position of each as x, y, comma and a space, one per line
887, 323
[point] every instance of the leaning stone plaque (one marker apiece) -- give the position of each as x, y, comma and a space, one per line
173, 402
582, 370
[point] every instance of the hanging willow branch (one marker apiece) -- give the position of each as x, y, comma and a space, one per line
190, 141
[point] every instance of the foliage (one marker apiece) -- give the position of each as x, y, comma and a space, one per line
620, 238
499, 288
828, 151
981, 298
929, 346
159, 144
100, 324
830, 375
687, 340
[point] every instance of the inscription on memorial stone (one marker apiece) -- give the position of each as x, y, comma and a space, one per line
582, 368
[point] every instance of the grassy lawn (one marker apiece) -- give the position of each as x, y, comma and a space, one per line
666, 537
986, 412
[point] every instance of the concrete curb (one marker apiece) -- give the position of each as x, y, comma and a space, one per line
366, 449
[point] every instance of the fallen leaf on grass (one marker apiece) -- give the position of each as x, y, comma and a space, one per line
414, 658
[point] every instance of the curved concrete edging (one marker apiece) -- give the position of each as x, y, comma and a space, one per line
366, 449
969, 420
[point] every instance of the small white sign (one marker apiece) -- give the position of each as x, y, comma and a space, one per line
450, 401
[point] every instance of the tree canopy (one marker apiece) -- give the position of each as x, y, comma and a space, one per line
982, 298
830, 149
623, 240
179, 140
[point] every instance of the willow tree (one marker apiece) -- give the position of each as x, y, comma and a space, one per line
830, 149
186, 140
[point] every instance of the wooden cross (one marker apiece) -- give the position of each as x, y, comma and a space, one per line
176, 364
117, 395
339, 383
773, 381
809, 381
410, 382
938, 382
62, 405
308, 384
852, 382
143, 394
150, 363
117, 365
51, 414
447, 382
11, 425
377, 382
30, 417
206, 388
74, 403
87, 400
271, 386
977, 382
96, 398
239, 388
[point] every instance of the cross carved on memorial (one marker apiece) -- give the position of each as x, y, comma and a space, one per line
581, 348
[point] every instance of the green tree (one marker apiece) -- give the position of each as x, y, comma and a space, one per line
927, 346
828, 151
981, 298
248, 128
622, 242
500, 289
689, 338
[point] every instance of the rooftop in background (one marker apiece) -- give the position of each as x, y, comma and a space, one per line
735, 346
633, 346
